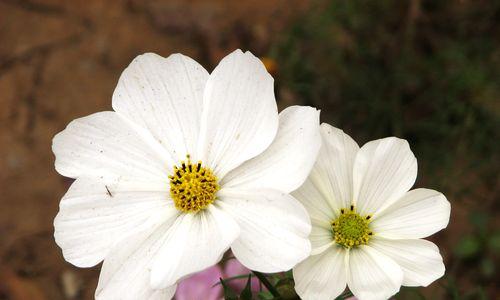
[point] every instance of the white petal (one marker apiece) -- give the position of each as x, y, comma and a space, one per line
195, 242
321, 238
335, 164
288, 160
315, 201
164, 96
372, 275
274, 229
93, 218
125, 274
322, 276
329, 185
384, 170
418, 214
106, 147
163, 294
240, 117
420, 259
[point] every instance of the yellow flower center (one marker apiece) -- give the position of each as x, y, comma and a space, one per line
192, 186
350, 229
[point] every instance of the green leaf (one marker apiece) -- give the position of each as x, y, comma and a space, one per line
246, 294
479, 220
494, 242
468, 247
346, 294
286, 288
265, 295
487, 267
263, 279
452, 289
229, 293
228, 279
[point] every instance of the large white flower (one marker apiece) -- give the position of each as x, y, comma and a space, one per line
367, 228
188, 165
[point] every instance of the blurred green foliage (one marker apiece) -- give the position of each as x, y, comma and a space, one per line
230, 294
426, 71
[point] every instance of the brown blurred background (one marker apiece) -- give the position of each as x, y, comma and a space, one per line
425, 71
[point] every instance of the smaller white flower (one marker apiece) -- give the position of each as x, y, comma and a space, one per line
367, 227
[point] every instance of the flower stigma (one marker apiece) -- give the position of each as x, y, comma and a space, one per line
351, 229
192, 186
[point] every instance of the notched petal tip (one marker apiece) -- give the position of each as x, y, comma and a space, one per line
147, 55
249, 59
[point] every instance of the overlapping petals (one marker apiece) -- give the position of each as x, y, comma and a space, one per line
193, 243
126, 272
419, 259
322, 275
270, 222
119, 209
384, 170
286, 163
418, 214
93, 218
108, 148
372, 275
240, 116
164, 96
375, 179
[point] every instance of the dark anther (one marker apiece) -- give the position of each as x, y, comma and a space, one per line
342, 211
190, 168
352, 207
181, 190
184, 166
370, 233
368, 217
178, 173
198, 167
177, 182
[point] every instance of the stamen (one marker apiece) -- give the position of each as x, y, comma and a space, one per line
193, 187
350, 229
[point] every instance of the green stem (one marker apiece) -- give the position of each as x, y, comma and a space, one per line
344, 295
267, 284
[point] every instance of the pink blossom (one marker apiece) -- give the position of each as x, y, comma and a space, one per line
233, 268
201, 285
204, 284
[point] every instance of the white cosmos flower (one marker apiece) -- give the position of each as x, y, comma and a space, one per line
367, 228
188, 165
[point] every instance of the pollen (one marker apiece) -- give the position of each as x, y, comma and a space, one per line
192, 186
351, 229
